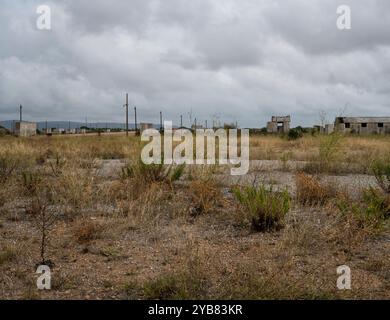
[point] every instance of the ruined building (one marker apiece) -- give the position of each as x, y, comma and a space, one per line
279, 125
362, 125
145, 126
25, 129
327, 129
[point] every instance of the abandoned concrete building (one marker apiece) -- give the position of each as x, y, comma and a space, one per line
145, 126
363, 125
327, 129
279, 124
25, 129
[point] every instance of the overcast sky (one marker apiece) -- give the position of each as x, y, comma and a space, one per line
241, 60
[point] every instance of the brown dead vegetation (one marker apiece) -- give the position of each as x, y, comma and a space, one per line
137, 232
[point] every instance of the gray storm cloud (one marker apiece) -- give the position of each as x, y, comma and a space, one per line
241, 60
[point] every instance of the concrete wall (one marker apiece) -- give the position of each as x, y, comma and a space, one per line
329, 128
272, 127
279, 124
363, 125
25, 129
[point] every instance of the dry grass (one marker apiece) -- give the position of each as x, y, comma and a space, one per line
324, 154
205, 195
8, 254
85, 231
310, 190
159, 233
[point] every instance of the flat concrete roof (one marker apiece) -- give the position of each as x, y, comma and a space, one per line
364, 119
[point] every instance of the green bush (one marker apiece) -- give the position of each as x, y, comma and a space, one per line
326, 161
266, 209
150, 173
381, 172
294, 134
329, 147
371, 211
177, 173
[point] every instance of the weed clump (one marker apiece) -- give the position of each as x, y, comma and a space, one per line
325, 161
265, 208
86, 231
30, 182
381, 172
373, 209
151, 173
371, 212
191, 282
7, 167
310, 191
205, 195
294, 134
175, 286
7, 254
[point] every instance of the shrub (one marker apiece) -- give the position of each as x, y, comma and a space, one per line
326, 159
381, 172
153, 172
30, 182
87, 230
172, 287
127, 172
75, 189
150, 173
266, 209
177, 173
58, 165
44, 220
205, 195
328, 148
294, 134
132, 289
7, 167
311, 192
371, 211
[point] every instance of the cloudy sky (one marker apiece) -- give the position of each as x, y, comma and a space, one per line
241, 60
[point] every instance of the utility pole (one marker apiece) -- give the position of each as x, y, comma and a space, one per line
206, 125
181, 121
161, 121
190, 115
135, 120
20, 113
195, 124
127, 114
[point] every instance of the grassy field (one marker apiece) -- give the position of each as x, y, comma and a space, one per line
113, 228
